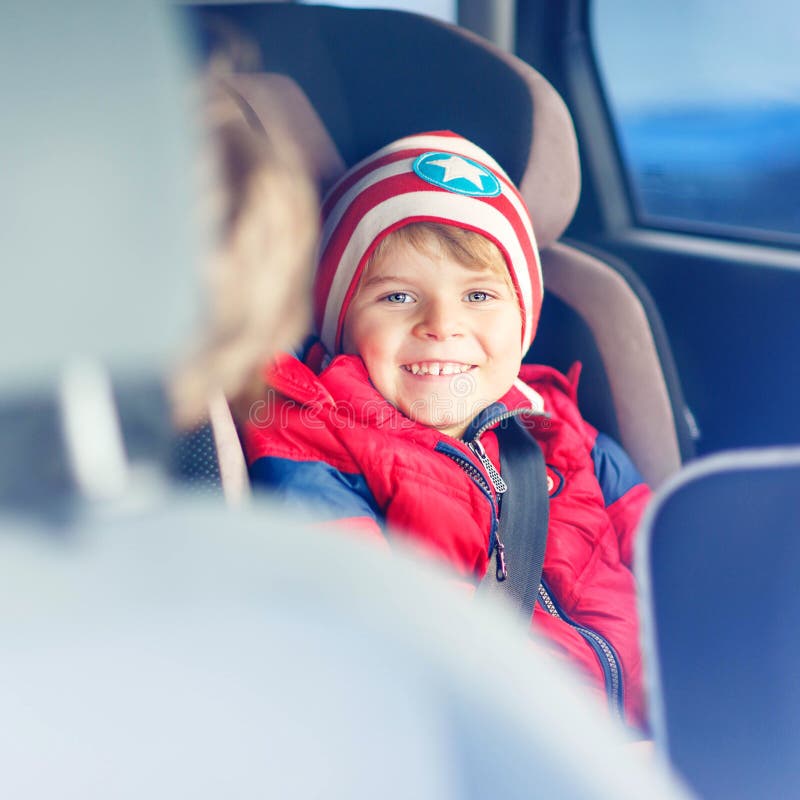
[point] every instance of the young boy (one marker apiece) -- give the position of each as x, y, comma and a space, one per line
427, 296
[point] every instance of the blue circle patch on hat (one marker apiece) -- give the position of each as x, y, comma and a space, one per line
457, 174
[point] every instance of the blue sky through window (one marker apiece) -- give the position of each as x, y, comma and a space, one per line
706, 101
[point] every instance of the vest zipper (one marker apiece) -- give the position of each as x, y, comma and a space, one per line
500, 486
519, 412
496, 546
609, 660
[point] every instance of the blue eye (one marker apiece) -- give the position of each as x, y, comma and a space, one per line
477, 297
398, 297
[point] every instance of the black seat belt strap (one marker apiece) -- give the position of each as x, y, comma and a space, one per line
524, 517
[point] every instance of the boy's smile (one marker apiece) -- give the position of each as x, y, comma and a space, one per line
440, 341
436, 368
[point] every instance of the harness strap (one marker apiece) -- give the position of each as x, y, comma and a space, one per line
524, 518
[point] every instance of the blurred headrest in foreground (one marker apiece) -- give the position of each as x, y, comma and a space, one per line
198, 653
97, 155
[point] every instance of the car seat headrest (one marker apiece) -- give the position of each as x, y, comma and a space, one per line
551, 182
99, 247
276, 103
368, 77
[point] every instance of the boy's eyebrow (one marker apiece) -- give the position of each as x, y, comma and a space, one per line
490, 275
485, 276
377, 279
482, 275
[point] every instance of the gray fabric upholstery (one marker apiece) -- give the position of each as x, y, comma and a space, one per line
208, 459
278, 103
625, 341
551, 184
194, 461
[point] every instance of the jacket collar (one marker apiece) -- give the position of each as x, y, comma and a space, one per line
346, 384
520, 399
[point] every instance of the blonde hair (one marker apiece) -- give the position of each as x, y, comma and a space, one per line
468, 248
264, 210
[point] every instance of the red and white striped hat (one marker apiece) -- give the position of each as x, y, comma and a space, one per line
430, 177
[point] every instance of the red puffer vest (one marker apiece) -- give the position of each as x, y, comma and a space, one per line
334, 435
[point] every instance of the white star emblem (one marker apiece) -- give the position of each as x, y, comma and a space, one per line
456, 167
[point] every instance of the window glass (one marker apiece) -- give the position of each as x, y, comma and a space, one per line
705, 97
441, 9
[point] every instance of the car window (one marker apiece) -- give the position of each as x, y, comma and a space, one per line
705, 98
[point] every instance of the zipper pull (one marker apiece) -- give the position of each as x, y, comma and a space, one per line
501, 573
500, 486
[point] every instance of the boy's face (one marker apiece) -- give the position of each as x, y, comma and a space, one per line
440, 341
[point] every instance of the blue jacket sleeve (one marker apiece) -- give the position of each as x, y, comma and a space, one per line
624, 491
614, 469
317, 487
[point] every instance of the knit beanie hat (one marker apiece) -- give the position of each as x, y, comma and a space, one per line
430, 177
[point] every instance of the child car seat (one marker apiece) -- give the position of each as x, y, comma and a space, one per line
345, 82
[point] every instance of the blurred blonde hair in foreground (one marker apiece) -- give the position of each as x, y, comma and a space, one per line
264, 211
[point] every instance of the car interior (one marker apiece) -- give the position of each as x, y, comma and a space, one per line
618, 295
686, 333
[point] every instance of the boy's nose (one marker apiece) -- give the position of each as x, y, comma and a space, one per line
440, 320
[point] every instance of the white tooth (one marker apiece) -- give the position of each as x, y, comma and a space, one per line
449, 369
423, 369
434, 369
415, 368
